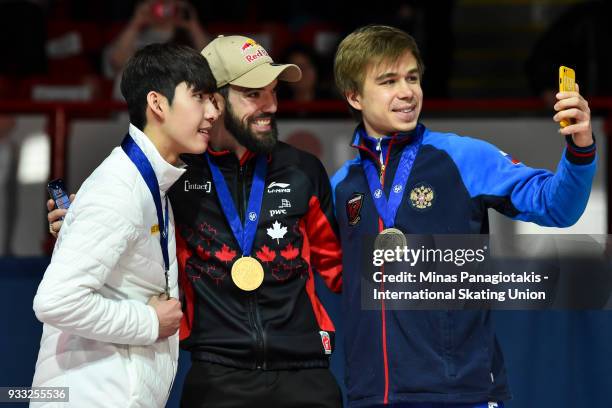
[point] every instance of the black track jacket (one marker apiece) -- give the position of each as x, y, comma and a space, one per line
282, 324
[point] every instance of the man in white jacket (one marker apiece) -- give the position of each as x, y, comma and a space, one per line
108, 334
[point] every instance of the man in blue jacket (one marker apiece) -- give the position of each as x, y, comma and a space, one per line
444, 184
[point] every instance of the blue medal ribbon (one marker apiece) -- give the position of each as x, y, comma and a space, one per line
388, 209
137, 156
244, 235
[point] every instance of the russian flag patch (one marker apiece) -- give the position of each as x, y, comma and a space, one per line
507, 156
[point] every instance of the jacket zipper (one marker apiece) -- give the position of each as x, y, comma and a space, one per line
253, 309
380, 158
261, 356
382, 161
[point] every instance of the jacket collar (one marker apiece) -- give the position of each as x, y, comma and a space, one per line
362, 140
246, 157
368, 145
166, 173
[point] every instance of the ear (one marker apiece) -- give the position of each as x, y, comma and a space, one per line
354, 99
155, 104
220, 102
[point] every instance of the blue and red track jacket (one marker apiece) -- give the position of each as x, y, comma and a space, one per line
440, 356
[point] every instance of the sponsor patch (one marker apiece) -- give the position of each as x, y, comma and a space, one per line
326, 341
206, 186
278, 211
275, 187
353, 208
252, 50
282, 208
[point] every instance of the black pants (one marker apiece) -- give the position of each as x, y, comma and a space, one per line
216, 386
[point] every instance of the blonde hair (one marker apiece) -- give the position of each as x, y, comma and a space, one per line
370, 44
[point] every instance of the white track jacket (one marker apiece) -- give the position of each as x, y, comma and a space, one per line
99, 336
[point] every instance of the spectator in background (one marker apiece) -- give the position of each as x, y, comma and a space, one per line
312, 86
580, 38
153, 22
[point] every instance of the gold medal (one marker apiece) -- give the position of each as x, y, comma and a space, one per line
247, 273
390, 238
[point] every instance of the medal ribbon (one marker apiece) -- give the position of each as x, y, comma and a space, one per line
388, 209
245, 235
136, 155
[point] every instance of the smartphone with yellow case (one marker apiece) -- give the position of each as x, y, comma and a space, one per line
567, 80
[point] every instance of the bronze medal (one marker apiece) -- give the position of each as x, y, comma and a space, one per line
390, 238
247, 273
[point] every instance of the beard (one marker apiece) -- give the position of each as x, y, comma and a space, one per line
262, 142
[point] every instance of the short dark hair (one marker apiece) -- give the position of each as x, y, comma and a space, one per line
161, 68
371, 44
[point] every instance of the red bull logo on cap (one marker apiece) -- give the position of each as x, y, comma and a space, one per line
252, 50
248, 44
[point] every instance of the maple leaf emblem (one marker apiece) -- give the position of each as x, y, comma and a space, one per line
277, 231
203, 254
265, 254
216, 275
282, 272
289, 252
225, 254
194, 271
207, 232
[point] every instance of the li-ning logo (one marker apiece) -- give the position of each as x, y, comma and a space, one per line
207, 187
275, 187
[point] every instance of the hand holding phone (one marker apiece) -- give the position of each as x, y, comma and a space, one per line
57, 205
58, 193
567, 81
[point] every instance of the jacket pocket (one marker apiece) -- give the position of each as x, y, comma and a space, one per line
152, 370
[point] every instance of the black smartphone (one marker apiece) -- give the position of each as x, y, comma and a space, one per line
58, 193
